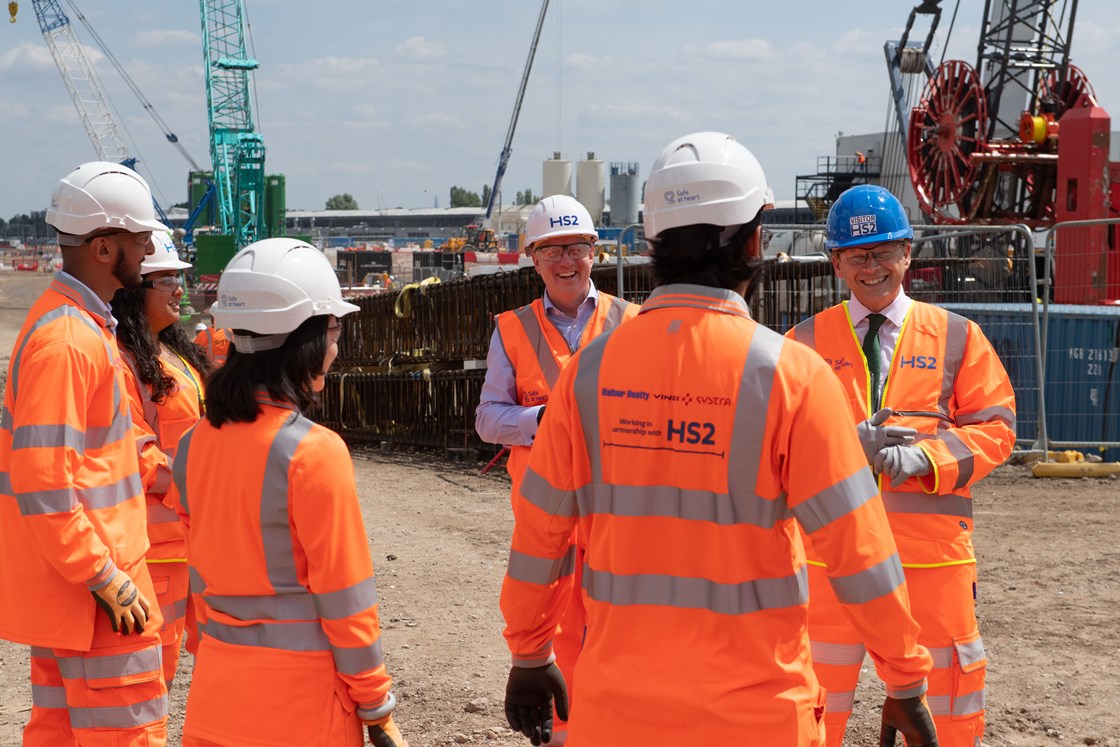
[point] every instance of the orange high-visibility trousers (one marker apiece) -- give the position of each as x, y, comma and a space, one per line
110, 696
942, 601
171, 581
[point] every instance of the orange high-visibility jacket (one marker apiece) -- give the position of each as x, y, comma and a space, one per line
539, 352
71, 499
684, 443
162, 425
282, 581
216, 343
942, 364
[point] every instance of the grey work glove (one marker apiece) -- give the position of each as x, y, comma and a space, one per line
127, 608
874, 436
901, 463
911, 717
529, 694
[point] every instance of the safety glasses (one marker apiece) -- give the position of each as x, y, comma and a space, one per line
881, 254
553, 252
170, 283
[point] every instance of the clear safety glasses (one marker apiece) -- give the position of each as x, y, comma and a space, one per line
553, 252
170, 283
882, 254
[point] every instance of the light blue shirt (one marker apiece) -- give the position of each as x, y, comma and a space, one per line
499, 419
888, 333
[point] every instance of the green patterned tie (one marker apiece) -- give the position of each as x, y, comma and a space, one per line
871, 352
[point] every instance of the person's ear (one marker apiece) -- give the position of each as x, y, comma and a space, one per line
753, 247
100, 248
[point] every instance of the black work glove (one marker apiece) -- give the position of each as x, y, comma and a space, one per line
529, 694
128, 610
385, 733
540, 414
911, 717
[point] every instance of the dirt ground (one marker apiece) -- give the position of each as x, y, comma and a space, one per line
1049, 599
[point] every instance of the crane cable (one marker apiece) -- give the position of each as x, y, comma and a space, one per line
167, 133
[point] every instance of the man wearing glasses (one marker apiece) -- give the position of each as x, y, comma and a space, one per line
532, 344
72, 506
935, 413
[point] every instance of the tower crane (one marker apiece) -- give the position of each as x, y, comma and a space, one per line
507, 149
236, 149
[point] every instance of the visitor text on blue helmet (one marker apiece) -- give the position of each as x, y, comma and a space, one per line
867, 214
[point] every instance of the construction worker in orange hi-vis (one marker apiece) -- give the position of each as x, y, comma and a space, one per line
280, 566
164, 381
683, 444
529, 348
75, 586
935, 412
214, 340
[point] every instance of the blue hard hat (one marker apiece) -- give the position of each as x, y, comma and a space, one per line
867, 214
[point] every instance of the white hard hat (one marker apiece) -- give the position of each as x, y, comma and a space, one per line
165, 256
200, 327
559, 215
704, 178
101, 195
271, 287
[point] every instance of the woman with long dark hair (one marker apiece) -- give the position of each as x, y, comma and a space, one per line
164, 380
281, 571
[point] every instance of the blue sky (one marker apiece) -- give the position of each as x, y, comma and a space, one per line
396, 102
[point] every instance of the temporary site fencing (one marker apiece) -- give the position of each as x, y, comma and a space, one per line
411, 364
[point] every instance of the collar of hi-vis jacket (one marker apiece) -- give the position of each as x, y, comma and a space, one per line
592, 295
704, 297
895, 311
78, 292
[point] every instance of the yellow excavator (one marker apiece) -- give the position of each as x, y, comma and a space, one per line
474, 238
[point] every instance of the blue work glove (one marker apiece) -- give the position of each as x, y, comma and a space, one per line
529, 694
874, 436
911, 717
900, 463
384, 733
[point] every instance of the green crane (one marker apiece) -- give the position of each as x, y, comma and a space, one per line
236, 149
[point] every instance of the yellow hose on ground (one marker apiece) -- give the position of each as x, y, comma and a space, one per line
1075, 469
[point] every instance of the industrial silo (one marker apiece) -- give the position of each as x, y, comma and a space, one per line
557, 176
625, 193
276, 204
591, 178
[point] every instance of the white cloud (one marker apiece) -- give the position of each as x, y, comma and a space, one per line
420, 49
746, 50
26, 56
162, 37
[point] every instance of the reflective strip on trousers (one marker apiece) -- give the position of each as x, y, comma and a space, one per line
119, 717
48, 696
114, 666
838, 654
962, 705
839, 702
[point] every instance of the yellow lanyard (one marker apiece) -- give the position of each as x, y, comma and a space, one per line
197, 386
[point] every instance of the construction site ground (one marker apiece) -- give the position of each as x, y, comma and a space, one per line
1048, 598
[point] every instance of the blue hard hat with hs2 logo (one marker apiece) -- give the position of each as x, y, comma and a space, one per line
866, 214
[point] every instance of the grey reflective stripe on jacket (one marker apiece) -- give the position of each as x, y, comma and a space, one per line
290, 617
532, 327
62, 435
